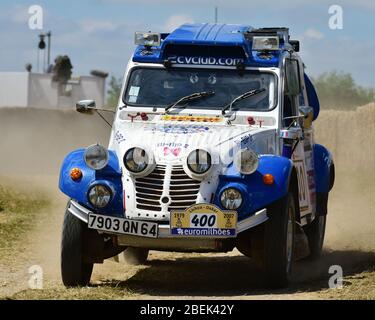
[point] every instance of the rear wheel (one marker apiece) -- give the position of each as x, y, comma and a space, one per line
279, 242
135, 256
315, 232
74, 270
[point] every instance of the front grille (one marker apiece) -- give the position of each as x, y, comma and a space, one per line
149, 190
183, 190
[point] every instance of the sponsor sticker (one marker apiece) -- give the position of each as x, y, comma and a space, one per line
211, 61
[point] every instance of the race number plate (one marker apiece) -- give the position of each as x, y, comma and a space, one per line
204, 220
123, 226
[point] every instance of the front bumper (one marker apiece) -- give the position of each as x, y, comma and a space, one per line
166, 241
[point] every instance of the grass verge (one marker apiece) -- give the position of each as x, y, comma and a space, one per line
18, 212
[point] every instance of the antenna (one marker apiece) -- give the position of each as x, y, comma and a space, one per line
216, 9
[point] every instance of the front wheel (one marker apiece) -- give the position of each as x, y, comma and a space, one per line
74, 270
279, 241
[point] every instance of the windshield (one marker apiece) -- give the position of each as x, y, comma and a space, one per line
160, 87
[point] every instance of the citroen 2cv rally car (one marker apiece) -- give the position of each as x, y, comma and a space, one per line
211, 149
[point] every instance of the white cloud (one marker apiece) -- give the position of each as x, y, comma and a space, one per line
176, 20
313, 34
91, 26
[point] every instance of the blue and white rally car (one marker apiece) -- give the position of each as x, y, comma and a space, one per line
212, 148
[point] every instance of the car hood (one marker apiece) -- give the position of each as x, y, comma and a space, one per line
171, 142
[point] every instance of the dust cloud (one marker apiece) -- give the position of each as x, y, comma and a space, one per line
35, 141
33, 144
351, 138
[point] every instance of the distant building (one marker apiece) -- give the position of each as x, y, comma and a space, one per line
39, 90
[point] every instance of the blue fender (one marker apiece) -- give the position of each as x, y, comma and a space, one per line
77, 190
256, 194
323, 161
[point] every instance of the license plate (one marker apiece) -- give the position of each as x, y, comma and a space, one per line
123, 226
204, 220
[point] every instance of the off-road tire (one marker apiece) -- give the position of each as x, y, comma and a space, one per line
74, 271
277, 259
315, 232
135, 256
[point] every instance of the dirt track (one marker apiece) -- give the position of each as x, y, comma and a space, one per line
35, 143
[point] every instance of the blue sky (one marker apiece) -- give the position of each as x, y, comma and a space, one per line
98, 34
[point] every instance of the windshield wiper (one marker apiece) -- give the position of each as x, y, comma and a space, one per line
243, 96
190, 97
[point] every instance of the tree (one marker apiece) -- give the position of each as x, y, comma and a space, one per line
338, 90
113, 92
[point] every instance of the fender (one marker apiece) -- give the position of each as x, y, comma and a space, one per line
77, 190
256, 194
323, 163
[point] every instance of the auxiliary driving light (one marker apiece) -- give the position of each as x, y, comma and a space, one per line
99, 196
246, 161
199, 161
96, 157
136, 160
266, 43
148, 39
231, 199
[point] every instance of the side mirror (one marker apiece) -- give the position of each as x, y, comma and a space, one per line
85, 106
295, 45
308, 115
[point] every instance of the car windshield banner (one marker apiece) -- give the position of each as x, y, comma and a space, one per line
231, 62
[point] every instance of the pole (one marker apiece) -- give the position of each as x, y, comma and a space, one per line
37, 61
216, 15
49, 49
44, 61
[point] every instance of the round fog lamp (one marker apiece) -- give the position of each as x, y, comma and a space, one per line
231, 199
99, 196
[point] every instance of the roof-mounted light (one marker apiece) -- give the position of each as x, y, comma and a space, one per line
266, 43
148, 39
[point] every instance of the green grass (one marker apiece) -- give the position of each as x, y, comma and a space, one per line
84, 293
18, 212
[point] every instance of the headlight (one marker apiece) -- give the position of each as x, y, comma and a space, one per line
136, 160
199, 161
231, 199
99, 196
246, 161
96, 157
